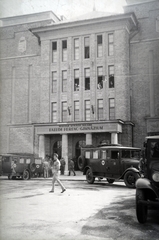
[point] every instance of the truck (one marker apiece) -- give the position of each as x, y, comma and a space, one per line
113, 162
20, 165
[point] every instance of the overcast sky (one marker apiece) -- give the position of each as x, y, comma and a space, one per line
68, 8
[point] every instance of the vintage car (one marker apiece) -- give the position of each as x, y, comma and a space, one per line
112, 162
147, 187
22, 166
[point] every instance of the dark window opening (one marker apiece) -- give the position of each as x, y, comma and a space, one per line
76, 84
64, 44
86, 52
99, 39
100, 82
54, 46
111, 81
87, 83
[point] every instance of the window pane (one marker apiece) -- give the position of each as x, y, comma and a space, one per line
100, 78
99, 39
86, 54
87, 110
64, 111
54, 46
111, 76
86, 41
110, 44
76, 110
54, 112
99, 51
64, 44
100, 109
64, 55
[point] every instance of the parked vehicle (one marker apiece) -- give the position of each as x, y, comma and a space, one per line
147, 187
22, 166
111, 162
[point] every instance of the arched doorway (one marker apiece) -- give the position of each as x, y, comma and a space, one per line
79, 144
57, 148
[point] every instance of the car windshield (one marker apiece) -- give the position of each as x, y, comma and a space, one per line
154, 149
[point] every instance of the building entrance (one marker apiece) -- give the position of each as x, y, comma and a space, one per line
57, 148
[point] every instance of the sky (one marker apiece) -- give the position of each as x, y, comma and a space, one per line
67, 8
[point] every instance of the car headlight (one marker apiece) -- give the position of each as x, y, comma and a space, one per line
155, 176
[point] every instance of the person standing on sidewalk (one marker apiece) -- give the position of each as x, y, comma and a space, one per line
63, 163
71, 166
46, 168
55, 171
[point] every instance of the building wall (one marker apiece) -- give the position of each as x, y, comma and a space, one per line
20, 75
144, 70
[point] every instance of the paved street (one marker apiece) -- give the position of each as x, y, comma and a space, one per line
84, 212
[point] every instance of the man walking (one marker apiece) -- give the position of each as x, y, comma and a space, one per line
71, 167
55, 171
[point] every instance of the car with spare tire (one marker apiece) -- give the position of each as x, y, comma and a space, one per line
24, 166
113, 162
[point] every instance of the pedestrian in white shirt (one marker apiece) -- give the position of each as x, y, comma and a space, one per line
55, 171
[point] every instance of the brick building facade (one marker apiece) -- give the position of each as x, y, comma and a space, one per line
89, 80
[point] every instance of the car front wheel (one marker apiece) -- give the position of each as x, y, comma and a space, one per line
130, 178
141, 208
89, 176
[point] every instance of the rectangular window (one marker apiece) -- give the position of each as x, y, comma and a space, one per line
54, 82
54, 112
87, 78
64, 81
76, 80
64, 50
110, 44
54, 52
87, 110
100, 109
76, 48
99, 77
99, 46
76, 111
64, 111
111, 76
86, 47
111, 108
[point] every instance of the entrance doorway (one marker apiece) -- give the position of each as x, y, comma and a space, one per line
79, 145
57, 148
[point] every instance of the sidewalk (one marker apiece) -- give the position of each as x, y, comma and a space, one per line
79, 177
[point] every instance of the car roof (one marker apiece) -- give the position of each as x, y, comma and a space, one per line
114, 147
153, 137
17, 154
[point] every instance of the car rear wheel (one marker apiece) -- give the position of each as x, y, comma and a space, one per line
141, 208
26, 175
81, 162
130, 178
110, 180
89, 176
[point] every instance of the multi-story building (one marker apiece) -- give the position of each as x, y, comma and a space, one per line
88, 80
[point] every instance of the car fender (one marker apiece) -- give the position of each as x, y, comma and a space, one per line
135, 170
85, 170
145, 184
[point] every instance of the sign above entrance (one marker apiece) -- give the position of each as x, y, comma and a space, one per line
79, 128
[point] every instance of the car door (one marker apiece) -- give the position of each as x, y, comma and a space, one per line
6, 164
113, 163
